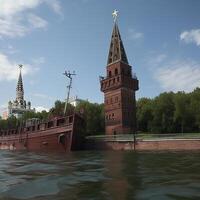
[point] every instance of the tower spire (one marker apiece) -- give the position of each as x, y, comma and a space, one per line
116, 51
19, 88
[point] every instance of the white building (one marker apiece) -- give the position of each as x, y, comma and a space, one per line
74, 101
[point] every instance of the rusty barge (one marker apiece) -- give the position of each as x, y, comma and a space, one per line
61, 134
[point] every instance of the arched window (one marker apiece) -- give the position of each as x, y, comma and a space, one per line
110, 73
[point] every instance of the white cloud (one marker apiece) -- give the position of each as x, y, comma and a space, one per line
134, 35
55, 5
156, 60
37, 22
178, 75
9, 8
12, 28
3, 108
192, 36
15, 17
41, 108
9, 70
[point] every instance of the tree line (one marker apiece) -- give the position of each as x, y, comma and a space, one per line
93, 114
170, 113
167, 113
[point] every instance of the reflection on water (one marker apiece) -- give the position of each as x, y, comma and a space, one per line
100, 175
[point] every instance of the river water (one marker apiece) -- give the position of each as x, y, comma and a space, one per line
100, 175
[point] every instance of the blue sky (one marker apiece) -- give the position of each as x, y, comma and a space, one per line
161, 39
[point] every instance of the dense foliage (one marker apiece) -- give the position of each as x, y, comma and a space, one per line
166, 113
12, 122
170, 113
93, 114
94, 117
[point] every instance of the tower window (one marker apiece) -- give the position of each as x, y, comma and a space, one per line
110, 73
114, 80
116, 71
117, 79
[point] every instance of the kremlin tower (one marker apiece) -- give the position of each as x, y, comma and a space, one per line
119, 87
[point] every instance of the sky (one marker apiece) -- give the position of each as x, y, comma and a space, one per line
161, 39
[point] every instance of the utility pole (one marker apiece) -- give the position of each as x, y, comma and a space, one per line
69, 75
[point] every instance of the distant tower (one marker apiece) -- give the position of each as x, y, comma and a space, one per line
19, 106
20, 88
119, 88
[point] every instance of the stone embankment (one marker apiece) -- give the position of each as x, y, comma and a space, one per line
150, 144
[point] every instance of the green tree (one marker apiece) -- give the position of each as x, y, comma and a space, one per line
163, 112
144, 114
195, 107
93, 114
183, 115
10, 123
58, 109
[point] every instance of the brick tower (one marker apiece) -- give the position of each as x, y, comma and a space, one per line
119, 88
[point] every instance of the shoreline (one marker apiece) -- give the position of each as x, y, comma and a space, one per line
144, 144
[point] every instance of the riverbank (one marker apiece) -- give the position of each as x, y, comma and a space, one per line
131, 142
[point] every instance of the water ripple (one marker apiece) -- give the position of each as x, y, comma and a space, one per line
100, 175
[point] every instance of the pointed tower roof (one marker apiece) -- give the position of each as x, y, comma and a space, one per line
20, 88
116, 51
